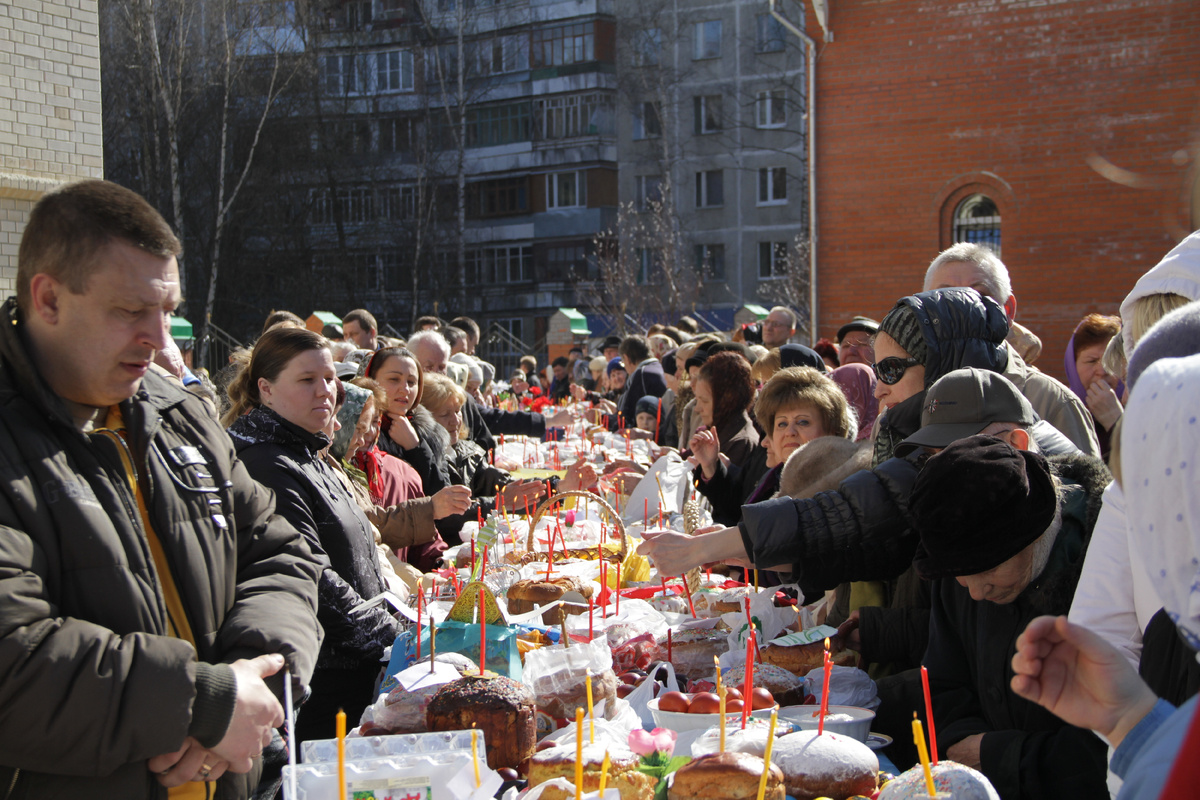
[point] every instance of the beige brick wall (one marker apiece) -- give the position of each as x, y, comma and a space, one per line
50, 123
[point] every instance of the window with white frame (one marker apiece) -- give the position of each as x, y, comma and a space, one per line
340, 74
707, 42
395, 134
769, 34
770, 108
647, 120
772, 186
710, 262
566, 116
356, 206
707, 111
394, 71
565, 190
772, 260
710, 188
506, 264
398, 202
649, 191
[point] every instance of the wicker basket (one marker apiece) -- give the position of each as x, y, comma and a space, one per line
614, 552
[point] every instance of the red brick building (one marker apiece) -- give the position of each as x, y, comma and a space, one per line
1079, 119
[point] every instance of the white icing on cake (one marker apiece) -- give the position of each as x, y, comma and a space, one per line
948, 776
829, 756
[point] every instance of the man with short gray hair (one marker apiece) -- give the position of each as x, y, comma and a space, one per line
976, 266
779, 327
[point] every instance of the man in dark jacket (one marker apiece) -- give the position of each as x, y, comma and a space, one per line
1008, 549
147, 588
645, 378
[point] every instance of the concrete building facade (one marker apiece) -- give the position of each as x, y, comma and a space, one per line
50, 121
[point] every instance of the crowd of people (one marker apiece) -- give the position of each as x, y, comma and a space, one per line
173, 549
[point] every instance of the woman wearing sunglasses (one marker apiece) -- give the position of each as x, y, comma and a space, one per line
858, 532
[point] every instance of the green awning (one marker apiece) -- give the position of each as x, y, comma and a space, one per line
757, 311
577, 321
328, 318
181, 328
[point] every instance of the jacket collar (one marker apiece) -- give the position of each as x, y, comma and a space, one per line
262, 426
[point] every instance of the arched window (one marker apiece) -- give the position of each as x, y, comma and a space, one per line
977, 220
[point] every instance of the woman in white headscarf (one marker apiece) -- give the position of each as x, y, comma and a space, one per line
1076, 674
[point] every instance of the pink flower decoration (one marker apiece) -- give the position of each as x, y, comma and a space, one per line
570, 518
659, 740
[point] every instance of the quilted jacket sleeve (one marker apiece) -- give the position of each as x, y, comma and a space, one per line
857, 533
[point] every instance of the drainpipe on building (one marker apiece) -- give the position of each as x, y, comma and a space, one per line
811, 111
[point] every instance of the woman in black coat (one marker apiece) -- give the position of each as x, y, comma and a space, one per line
282, 400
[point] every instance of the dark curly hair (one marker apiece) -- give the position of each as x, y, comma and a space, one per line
728, 376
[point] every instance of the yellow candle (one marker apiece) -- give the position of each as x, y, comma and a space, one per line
717, 666
756, 580
604, 765
475, 752
919, 739
341, 747
591, 711
762, 783
578, 754
721, 692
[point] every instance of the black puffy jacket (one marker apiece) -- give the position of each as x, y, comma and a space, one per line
861, 532
285, 458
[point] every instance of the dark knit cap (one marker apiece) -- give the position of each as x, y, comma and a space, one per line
697, 358
669, 365
901, 324
977, 504
647, 405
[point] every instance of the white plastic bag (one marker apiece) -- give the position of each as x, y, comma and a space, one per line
675, 475
644, 693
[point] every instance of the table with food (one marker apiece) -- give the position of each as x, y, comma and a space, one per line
548, 659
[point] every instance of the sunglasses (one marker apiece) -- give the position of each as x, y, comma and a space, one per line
891, 369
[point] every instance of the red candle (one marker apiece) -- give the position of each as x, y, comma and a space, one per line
618, 602
749, 621
419, 598
824, 691
657, 419
483, 564
603, 588
473, 555
645, 513
928, 715
748, 689
663, 581
669, 658
482, 632
691, 605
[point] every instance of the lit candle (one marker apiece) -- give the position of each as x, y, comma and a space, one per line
482, 632
721, 692
578, 754
717, 667
420, 595
657, 419
933, 751
591, 710
919, 740
762, 783
341, 750
824, 691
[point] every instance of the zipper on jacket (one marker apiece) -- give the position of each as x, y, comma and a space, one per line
13, 783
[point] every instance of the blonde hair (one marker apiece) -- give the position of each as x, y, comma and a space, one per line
1150, 309
797, 386
440, 390
767, 365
